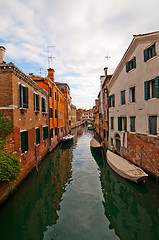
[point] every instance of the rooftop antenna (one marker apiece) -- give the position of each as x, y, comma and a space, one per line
50, 56
40, 71
107, 57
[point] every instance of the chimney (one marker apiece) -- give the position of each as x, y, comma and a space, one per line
51, 74
2, 54
105, 70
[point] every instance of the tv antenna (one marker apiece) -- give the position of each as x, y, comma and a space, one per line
50, 56
107, 57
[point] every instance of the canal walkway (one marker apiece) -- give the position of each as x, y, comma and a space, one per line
77, 196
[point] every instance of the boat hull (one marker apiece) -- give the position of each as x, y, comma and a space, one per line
125, 169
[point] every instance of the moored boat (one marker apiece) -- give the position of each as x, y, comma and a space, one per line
90, 127
125, 168
67, 138
95, 144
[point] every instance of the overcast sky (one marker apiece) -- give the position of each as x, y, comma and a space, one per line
83, 32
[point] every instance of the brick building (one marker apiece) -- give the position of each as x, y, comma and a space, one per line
57, 107
25, 104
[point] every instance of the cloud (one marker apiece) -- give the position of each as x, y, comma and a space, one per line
84, 32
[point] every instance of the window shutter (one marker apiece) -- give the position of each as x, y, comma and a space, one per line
20, 95
109, 101
26, 140
127, 66
147, 90
25, 97
125, 124
34, 101
153, 50
157, 87
37, 131
146, 54
119, 123
153, 125
113, 97
37, 102
134, 62
23, 142
43, 105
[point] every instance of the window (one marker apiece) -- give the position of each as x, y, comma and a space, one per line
50, 112
45, 132
56, 131
122, 124
153, 125
149, 52
132, 94
122, 97
37, 133
36, 102
151, 88
55, 96
112, 142
50, 91
43, 104
112, 122
56, 113
111, 101
131, 64
132, 124
23, 96
24, 141
51, 133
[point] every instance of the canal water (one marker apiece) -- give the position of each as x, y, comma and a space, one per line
76, 196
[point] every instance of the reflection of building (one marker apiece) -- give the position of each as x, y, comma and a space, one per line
131, 209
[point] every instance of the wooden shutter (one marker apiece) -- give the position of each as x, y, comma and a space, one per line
157, 87
34, 101
24, 141
37, 131
128, 66
147, 90
125, 124
113, 100
153, 125
37, 102
109, 101
134, 62
119, 123
154, 50
25, 97
146, 54
20, 95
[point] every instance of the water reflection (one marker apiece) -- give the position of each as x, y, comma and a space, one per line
131, 209
37, 202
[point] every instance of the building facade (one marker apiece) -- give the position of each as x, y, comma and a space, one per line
134, 104
25, 104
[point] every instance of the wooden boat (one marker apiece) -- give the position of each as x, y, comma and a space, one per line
125, 168
67, 138
95, 144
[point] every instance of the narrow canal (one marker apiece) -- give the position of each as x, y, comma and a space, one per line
77, 196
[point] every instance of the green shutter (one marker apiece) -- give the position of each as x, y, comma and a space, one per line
153, 125
122, 97
119, 123
24, 141
109, 101
153, 50
113, 97
125, 124
147, 90
128, 66
37, 102
20, 95
43, 105
134, 62
37, 131
34, 101
146, 54
25, 97
157, 87
46, 132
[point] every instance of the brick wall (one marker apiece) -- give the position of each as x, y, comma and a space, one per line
143, 151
